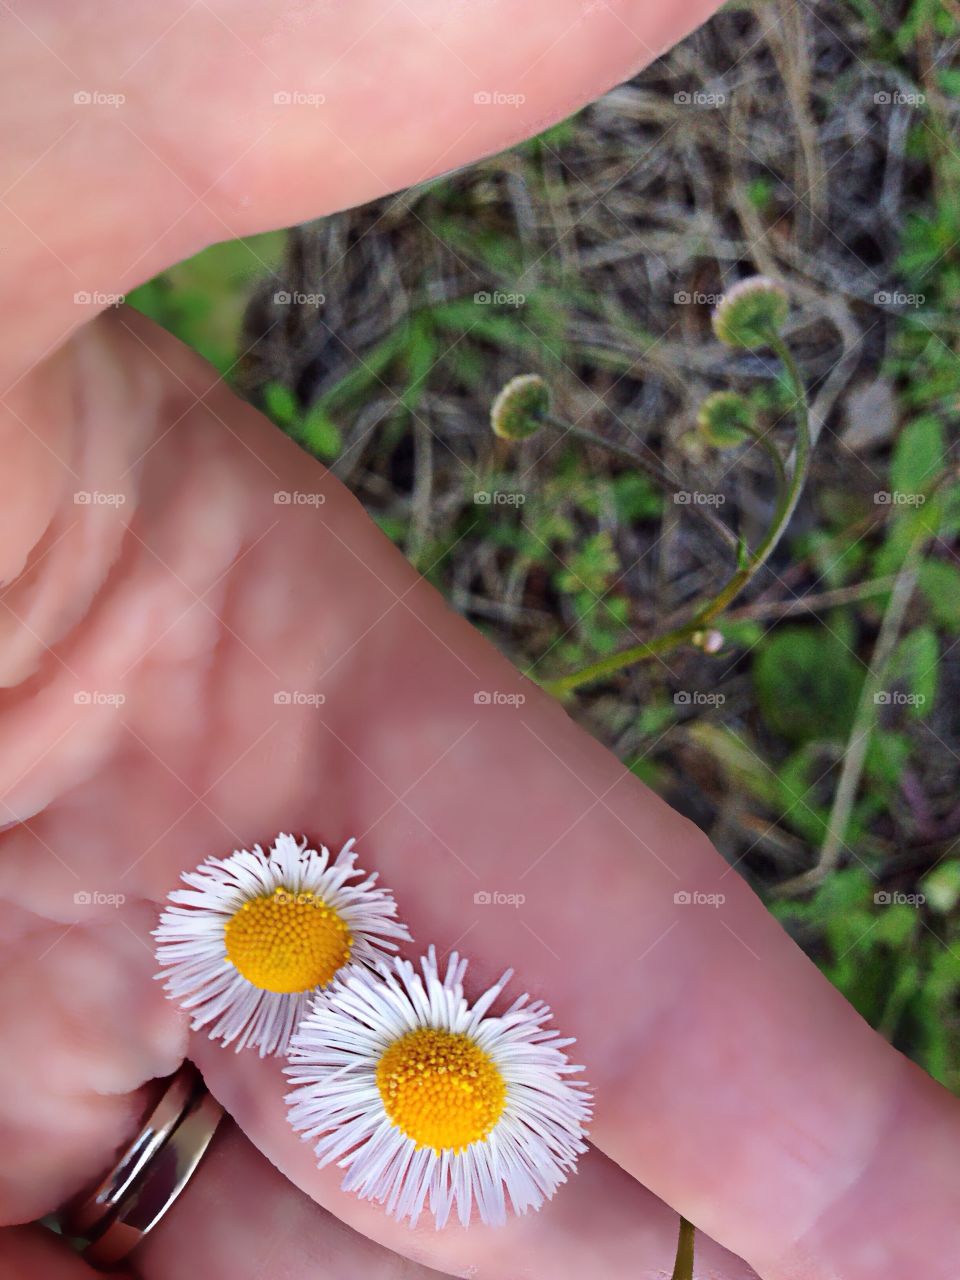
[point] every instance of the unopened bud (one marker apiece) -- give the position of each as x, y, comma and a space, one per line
520, 407
751, 313
725, 418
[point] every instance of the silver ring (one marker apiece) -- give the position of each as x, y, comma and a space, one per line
149, 1175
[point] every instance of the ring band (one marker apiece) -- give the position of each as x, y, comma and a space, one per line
149, 1175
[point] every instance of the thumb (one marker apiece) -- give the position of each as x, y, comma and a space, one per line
155, 130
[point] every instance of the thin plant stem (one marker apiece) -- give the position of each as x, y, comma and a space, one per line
683, 1267
787, 501
864, 722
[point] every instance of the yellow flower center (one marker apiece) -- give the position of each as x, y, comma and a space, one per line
288, 941
441, 1089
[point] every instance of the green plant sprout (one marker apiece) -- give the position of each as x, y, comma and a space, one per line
751, 316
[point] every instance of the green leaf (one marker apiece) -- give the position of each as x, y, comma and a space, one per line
915, 664
887, 754
918, 456
797, 780
321, 434
940, 584
280, 404
808, 683
421, 356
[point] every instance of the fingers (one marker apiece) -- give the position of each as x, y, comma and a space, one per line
78, 1039
201, 122
239, 1218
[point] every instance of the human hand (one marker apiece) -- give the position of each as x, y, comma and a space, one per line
729, 1078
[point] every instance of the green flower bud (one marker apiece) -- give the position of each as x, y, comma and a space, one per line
520, 406
724, 419
751, 313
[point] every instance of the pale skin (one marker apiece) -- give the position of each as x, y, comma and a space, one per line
732, 1083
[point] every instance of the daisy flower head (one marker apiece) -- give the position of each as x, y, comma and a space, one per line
247, 944
427, 1100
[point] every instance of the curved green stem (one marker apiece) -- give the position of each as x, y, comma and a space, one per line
683, 1267
789, 496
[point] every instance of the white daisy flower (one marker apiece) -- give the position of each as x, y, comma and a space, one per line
247, 945
425, 1099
